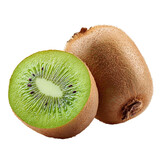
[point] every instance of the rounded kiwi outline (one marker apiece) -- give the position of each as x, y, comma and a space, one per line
77, 124
108, 51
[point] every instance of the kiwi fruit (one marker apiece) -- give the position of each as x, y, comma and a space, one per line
122, 76
53, 93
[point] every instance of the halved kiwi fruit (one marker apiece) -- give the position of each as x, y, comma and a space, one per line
122, 76
54, 93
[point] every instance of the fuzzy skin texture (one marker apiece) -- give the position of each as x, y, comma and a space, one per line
79, 123
122, 76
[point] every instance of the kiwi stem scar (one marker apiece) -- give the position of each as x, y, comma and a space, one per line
48, 88
131, 109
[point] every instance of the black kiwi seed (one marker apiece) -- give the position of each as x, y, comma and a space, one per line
42, 68
29, 85
70, 85
74, 91
30, 79
33, 75
31, 92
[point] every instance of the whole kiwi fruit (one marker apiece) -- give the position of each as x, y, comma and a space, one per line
54, 93
122, 76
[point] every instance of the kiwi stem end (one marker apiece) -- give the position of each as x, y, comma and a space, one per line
131, 109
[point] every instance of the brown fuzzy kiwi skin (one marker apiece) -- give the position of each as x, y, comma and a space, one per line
121, 74
79, 123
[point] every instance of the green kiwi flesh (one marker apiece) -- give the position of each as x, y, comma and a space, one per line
49, 89
121, 74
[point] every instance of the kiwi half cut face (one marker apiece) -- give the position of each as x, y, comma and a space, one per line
48, 91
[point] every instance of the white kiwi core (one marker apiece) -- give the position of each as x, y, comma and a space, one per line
48, 88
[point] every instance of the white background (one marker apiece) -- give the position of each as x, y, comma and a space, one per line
34, 25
